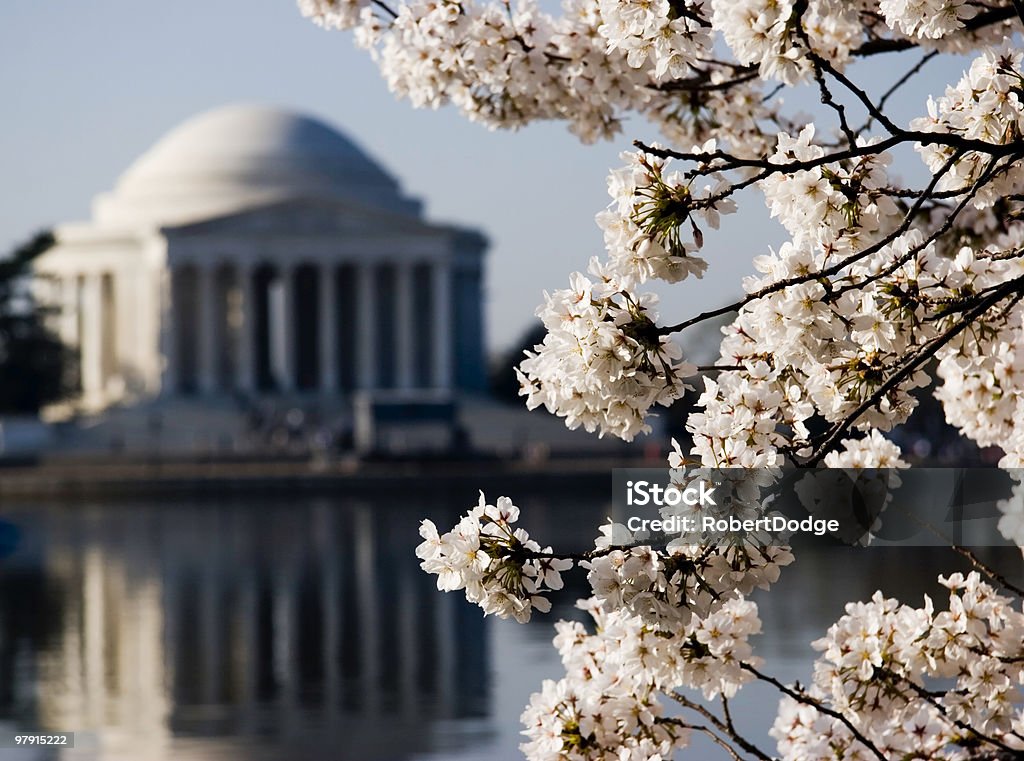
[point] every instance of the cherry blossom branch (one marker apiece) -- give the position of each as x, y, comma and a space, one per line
903, 80
781, 285
819, 66
802, 697
707, 731
890, 45
386, 8
1018, 6
975, 561
722, 726
872, 109
703, 83
856, 337
910, 365
727, 716
990, 173
972, 732
987, 570
898, 137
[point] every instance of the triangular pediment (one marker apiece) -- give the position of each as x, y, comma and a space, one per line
307, 218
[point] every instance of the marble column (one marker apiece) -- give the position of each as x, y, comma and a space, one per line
328, 306
245, 369
441, 276
169, 380
404, 324
209, 331
69, 310
91, 345
288, 342
366, 327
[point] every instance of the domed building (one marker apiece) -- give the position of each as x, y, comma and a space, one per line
260, 252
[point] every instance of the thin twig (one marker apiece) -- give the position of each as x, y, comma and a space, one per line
975, 561
802, 697
912, 364
718, 368
834, 269
1018, 6
706, 730
906, 78
748, 746
799, 8
963, 726
889, 45
386, 8
703, 84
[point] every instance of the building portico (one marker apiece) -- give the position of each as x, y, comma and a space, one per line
307, 273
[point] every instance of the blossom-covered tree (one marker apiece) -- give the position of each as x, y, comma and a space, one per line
879, 282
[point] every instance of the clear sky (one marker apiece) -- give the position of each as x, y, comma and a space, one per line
86, 87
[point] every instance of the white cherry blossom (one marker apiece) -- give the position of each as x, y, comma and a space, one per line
878, 290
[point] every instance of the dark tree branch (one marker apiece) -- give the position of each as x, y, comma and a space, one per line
913, 363
781, 285
889, 45
703, 83
707, 731
802, 697
722, 726
386, 8
978, 563
970, 731
906, 78
1018, 6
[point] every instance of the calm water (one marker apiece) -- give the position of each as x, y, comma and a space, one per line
275, 628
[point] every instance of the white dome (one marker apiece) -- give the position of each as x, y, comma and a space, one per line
240, 157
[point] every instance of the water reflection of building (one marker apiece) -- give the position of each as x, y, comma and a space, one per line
300, 630
257, 251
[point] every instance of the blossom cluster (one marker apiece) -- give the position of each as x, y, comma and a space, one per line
670, 588
882, 663
506, 64
986, 106
1011, 524
862, 296
334, 14
926, 18
662, 621
606, 706
838, 207
648, 217
603, 363
765, 32
669, 34
499, 566
982, 371
831, 343
891, 678
821, 345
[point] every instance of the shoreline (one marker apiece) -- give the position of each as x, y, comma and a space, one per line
108, 478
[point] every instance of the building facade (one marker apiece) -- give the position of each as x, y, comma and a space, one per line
261, 252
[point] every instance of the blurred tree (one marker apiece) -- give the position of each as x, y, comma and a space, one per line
35, 367
503, 382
